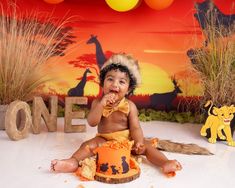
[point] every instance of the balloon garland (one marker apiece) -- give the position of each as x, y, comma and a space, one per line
127, 5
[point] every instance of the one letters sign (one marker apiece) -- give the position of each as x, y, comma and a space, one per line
18, 117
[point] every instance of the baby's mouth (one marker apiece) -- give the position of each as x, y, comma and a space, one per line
113, 91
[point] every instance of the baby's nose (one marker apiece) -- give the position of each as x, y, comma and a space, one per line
115, 83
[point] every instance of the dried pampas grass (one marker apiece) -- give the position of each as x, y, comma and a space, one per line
215, 61
26, 44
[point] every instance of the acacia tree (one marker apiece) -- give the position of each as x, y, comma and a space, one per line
89, 61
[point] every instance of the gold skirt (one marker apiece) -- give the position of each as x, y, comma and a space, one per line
118, 135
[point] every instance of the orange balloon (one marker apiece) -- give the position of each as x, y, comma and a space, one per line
53, 1
158, 4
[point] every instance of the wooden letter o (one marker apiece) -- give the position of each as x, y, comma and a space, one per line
18, 130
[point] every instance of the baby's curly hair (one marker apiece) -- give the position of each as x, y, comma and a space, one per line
124, 63
122, 68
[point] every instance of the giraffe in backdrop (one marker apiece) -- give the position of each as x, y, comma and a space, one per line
79, 89
100, 57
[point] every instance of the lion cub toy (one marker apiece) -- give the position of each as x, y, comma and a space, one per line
219, 120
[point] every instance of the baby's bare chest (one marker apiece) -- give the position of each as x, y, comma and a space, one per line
115, 122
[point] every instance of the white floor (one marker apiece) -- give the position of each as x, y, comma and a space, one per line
26, 163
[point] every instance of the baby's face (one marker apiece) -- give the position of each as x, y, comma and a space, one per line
116, 82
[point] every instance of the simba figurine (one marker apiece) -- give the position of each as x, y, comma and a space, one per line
218, 121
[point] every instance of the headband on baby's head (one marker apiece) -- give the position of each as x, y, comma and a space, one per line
126, 61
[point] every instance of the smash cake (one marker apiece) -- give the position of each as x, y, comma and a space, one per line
113, 164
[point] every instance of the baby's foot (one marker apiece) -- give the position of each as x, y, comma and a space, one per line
65, 165
170, 167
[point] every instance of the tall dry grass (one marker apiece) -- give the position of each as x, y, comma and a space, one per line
215, 62
26, 44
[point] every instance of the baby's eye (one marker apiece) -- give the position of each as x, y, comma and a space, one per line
122, 82
109, 79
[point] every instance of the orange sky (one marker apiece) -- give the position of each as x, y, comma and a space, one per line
158, 39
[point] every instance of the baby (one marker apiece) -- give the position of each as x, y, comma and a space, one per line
116, 117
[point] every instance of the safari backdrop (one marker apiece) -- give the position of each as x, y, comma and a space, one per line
162, 41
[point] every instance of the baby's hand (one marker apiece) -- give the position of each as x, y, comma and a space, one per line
170, 167
109, 98
139, 148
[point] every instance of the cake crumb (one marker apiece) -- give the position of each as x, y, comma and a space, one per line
170, 174
80, 186
65, 181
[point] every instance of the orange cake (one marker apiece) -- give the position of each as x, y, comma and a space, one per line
114, 163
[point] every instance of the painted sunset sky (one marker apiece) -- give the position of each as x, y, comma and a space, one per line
158, 39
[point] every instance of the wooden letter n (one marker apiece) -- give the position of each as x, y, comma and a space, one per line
40, 110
